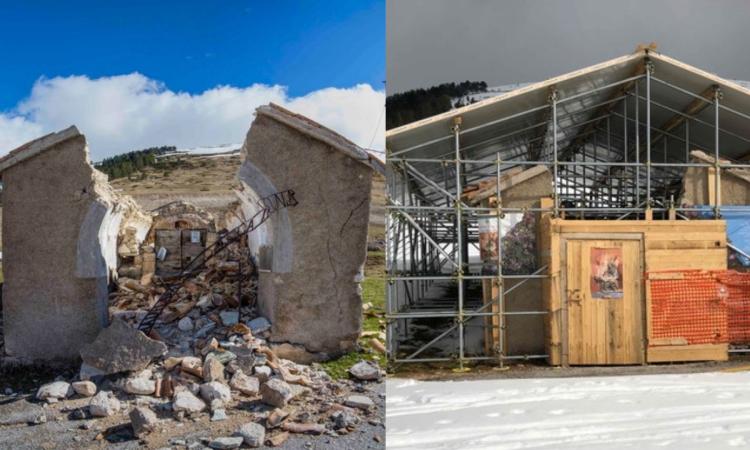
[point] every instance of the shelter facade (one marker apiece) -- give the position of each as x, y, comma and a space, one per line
619, 141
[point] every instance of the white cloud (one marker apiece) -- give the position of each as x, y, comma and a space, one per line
129, 112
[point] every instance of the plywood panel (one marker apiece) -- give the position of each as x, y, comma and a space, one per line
675, 353
603, 331
686, 259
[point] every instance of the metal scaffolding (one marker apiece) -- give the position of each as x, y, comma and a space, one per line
615, 150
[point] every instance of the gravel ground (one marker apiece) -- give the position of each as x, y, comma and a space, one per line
60, 431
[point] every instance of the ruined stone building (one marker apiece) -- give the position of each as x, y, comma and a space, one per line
61, 222
311, 257
68, 236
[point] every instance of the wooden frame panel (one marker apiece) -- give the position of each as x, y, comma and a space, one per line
667, 244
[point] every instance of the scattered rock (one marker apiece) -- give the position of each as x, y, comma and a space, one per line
104, 404
184, 400
192, 365
276, 392
253, 434
120, 348
52, 392
278, 439
306, 428
84, 388
245, 384
215, 390
21, 412
276, 417
259, 325
143, 420
344, 419
226, 442
140, 386
365, 370
229, 318
223, 357
213, 370
185, 324
359, 401
219, 414
263, 373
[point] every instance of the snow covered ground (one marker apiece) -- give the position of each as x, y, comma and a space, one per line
685, 411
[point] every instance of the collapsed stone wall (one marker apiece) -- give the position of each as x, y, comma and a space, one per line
61, 224
314, 253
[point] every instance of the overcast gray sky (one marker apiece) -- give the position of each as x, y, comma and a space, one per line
503, 41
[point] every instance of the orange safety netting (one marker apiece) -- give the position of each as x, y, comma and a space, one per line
738, 304
691, 305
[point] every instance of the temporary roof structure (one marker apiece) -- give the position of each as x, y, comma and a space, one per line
518, 125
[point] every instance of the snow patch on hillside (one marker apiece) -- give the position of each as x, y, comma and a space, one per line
687, 411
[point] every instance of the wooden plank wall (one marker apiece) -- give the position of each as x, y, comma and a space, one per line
668, 245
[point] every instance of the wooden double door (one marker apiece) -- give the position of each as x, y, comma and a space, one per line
604, 299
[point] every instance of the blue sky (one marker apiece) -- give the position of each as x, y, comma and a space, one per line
132, 74
194, 45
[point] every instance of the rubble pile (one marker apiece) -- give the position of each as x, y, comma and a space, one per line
208, 356
214, 290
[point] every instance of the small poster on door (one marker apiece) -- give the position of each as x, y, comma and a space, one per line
195, 237
606, 273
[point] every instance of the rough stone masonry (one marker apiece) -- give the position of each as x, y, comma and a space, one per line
312, 256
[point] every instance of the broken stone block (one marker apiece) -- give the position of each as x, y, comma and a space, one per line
21, 412
278, 439
218, 415
229, 318
213, 370
359, 401
276, 417
84, 388
120, 348
57, 390
215, 390
192, 365
223, 357
245, 384
253, 434
259, 325
140, 386
224, 443
308, 428
365, 370
276, 392
143, 420
184, 400
344, 419
263, 373
104, 404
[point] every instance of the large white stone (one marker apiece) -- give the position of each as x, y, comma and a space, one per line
140, 386
57, 390
184, 400
104, 404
